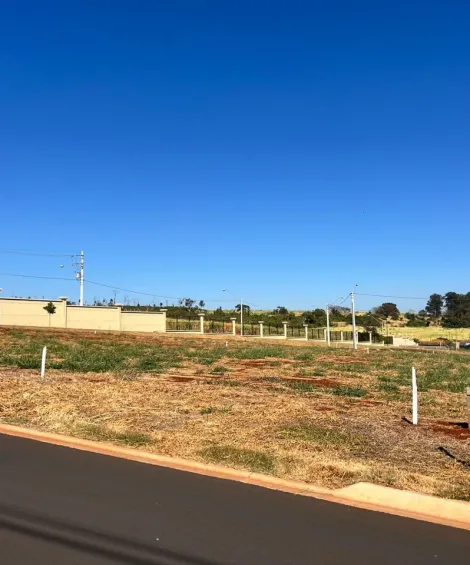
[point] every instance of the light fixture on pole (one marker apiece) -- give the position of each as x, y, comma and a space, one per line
353, 312
241, 312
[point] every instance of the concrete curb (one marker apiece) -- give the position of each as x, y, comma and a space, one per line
367, 496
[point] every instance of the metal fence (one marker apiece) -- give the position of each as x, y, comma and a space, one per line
218, 327
296, 332
251, 329
269, 330
316, 333
183, 324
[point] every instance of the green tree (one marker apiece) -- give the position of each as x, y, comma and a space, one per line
315, 318
246, 308
282, 310
387, 310
434, 305
50, 309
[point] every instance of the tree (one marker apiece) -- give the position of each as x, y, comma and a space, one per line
246, 308
369, 322
387, 310
457, 310
50, 309
315, 318
434, 305
282, 310
201, 304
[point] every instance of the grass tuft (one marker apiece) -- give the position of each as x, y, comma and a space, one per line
255, 461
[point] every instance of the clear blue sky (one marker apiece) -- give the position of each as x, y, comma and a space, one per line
282, 150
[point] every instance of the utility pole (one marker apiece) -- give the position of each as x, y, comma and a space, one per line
80, 274
241, 316
353, 312
328, 325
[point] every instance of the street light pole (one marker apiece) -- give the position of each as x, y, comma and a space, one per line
82, 278
353, 312
328, 325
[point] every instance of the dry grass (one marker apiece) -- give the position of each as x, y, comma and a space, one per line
331, 417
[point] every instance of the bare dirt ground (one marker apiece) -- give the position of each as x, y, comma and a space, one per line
329, 417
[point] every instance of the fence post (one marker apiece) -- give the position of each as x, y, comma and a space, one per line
285, 329
43, 362
468, 405
306, 332
234, 327
325, 337
370, 338
201, 320
261, 329
342, 336
414, 389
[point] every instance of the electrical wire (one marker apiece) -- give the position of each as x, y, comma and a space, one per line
36, 277
33, 253
391, 296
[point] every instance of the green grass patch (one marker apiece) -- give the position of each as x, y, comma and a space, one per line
208, 410
257, 352
300, 386
255, 461
355, 392
219, 370
98, 432
223, 382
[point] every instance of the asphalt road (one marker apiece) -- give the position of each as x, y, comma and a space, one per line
63, 506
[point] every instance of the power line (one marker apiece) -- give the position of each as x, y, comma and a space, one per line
391, 296
36, 277
132, 291
33, 253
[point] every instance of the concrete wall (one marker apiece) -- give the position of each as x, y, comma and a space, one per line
143, 321
19, 312
26, 312
404, 342
93, 317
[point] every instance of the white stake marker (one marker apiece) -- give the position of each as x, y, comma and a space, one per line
414, 387
43, 361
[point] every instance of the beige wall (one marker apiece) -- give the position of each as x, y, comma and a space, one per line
26, 312
143, 321
18, 312
93, 317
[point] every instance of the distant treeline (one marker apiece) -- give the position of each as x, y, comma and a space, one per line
451, 310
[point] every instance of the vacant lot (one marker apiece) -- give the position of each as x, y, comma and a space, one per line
326, 416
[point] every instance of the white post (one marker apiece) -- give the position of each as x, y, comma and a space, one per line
234, 326
341, 335
370, 338
353, 312
285, 329
261, 329
306, 332
241, 316
201, 320
328, 340
43, 361
414, 387
82, 278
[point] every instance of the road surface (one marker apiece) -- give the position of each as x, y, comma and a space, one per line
64, 506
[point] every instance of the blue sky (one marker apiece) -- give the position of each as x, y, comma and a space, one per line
282, 150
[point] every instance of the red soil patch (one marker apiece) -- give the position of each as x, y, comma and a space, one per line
456, 430
371, 403
323, 408
182, 379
